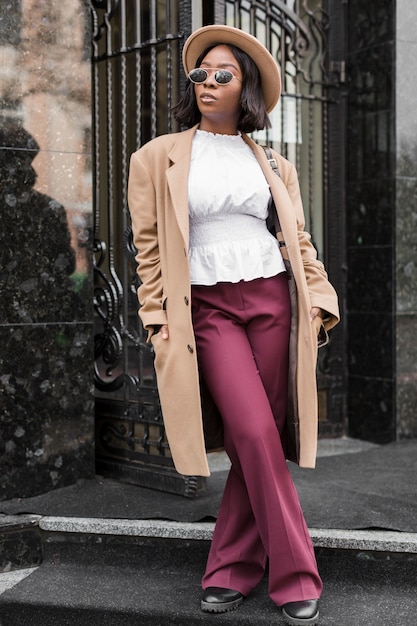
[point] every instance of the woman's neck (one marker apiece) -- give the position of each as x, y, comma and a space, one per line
218, 129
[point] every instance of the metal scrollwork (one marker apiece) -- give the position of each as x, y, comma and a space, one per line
109, 6
109, 342
298, 33
129, 247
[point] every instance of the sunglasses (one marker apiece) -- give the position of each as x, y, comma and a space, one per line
200, 75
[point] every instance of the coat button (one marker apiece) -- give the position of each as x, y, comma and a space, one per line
190, 348
186, 300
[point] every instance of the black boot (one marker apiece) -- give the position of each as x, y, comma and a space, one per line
302, 613
219, 600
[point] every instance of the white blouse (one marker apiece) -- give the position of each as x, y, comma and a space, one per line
228, 205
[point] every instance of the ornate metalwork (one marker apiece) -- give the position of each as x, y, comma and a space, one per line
296, 33
135, 46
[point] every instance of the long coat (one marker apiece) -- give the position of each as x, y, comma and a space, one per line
158, 202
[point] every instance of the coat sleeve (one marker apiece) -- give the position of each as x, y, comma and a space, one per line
143, 211
322, 294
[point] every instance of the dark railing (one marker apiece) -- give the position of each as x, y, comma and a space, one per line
135, 65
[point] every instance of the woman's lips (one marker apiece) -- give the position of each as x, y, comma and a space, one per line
207, 97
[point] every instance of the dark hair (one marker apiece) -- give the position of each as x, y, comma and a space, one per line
253, 114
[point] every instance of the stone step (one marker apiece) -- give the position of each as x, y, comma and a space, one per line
21, 542
162, 589
125, 573
337, 539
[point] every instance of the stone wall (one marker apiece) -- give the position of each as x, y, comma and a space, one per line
406, 218
46, 335
381, 220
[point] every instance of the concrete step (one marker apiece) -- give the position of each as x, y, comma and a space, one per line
125, 573
166, 592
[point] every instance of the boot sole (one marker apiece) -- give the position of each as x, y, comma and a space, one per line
220, 607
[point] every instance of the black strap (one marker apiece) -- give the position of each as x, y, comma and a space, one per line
272, 221
275, 228
271, 160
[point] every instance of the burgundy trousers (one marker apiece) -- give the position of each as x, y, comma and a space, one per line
242, 335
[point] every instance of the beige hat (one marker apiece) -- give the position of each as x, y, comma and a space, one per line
206, 36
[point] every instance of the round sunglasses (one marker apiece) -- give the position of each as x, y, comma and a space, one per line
222, 77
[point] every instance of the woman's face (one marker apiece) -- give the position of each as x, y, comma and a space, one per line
219, 105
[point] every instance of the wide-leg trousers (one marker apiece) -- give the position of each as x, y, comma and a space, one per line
242, 336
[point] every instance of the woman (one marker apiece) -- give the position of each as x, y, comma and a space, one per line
215, 301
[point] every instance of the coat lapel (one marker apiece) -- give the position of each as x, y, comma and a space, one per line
177, 178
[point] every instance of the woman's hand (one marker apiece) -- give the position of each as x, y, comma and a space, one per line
322, 336
315, 311
164, 331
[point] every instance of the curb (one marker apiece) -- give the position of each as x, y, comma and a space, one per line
370, 540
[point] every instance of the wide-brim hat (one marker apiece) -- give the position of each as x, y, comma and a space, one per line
207, 36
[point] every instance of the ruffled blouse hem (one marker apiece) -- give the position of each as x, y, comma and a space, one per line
234, 261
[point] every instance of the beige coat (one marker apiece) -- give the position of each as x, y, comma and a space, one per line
158, 202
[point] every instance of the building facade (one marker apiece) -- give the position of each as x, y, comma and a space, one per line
82, 85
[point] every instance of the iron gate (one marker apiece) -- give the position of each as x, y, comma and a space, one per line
136, 79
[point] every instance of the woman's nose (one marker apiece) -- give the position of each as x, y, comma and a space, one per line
210, 80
